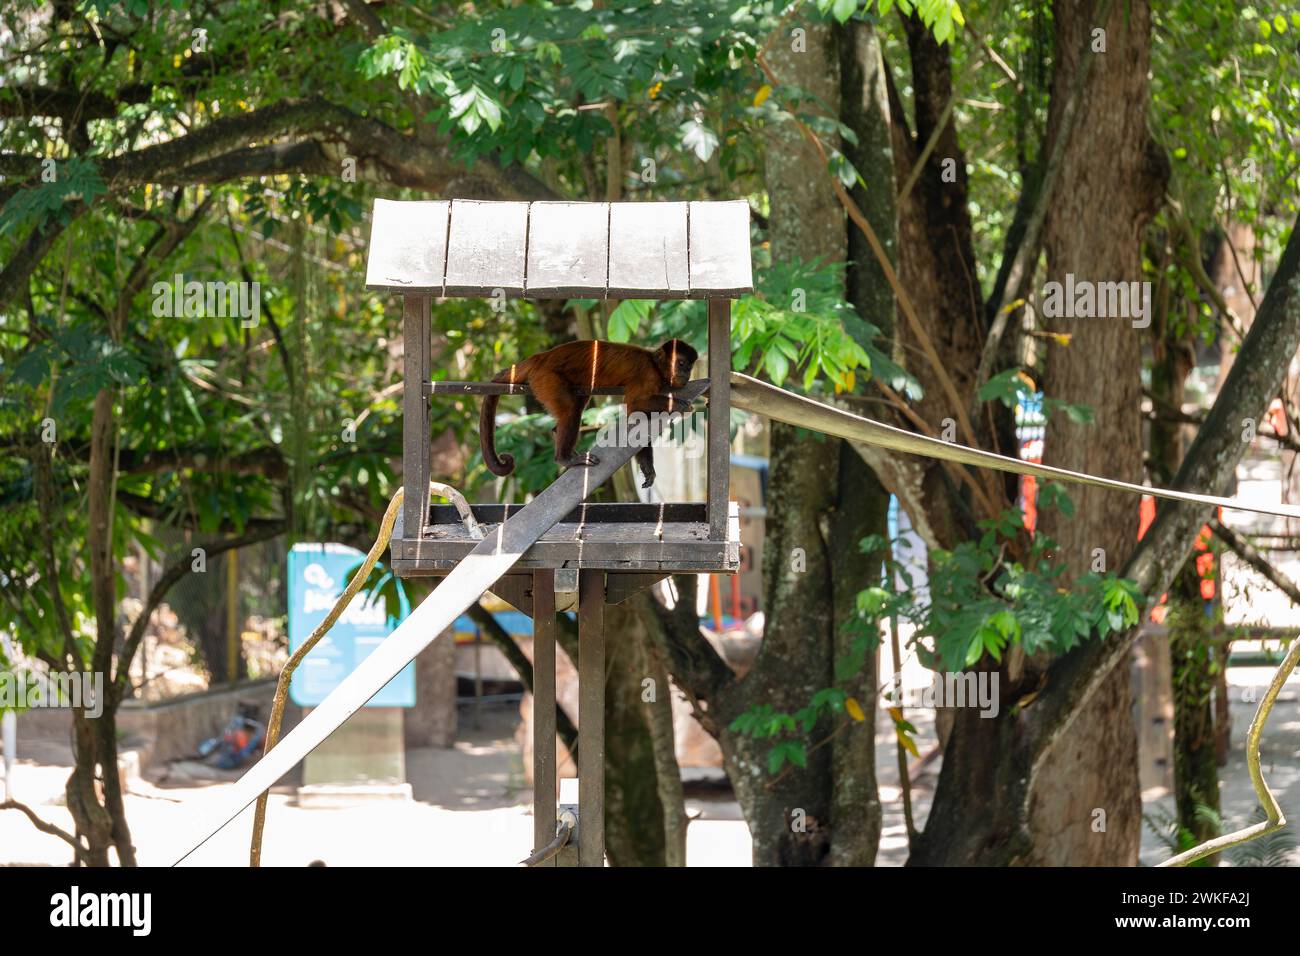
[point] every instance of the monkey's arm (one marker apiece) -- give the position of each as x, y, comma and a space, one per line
658, 403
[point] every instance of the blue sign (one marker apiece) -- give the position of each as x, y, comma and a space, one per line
317, 576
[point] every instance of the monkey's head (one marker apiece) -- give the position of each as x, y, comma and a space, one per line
675, 358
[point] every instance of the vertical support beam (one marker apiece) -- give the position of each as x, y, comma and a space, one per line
719, 461
232, 616
591, 718
544, 796
415, 417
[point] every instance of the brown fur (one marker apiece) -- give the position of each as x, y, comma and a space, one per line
556, 376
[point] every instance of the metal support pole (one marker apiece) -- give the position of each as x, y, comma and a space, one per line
591, 718
544, 796
719, 437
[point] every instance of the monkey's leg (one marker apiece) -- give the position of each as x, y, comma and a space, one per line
567, 425
645, 407
645, 460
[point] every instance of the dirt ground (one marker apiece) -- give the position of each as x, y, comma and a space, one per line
470, 806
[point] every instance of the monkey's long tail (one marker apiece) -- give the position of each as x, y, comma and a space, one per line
500, 465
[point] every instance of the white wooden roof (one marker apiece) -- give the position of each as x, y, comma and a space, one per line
646, 250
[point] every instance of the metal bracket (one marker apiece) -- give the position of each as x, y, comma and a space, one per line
566, 589
568, 816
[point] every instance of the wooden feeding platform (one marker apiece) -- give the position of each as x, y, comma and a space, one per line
675, 250
560, 551
613, 536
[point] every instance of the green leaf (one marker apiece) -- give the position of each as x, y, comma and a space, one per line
698, 138
795, 752
775, 758
1005, 387
843, 9
777, 365
1052, 495
628, 317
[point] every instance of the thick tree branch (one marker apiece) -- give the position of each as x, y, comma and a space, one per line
14, 275
1025, 236
267, 461
859, 219
694, 664
322, 135
177, 570
49, 828
148, 508
365, 17
1246, 551
1210, 464
302, 156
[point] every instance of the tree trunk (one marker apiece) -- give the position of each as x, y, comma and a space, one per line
821, 500
789, 818
202, 609
1112, 187
644, 825
862, 510
1084, 807
999, 784
92, 823
1193, 652
97, 742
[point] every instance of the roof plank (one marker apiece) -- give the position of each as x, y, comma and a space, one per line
652, 250
648, 250
719, 244
408, 246
485, 249
568, 248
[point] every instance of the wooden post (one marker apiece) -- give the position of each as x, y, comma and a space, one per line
591, 718
415, 419
544, 796
232, 615
719, 455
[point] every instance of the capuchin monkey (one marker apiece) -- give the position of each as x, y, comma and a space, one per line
557, 376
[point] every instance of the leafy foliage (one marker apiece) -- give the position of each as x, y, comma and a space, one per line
980, 600
941, 17
1276, 848
1176, 838
1013, 387
76, 179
